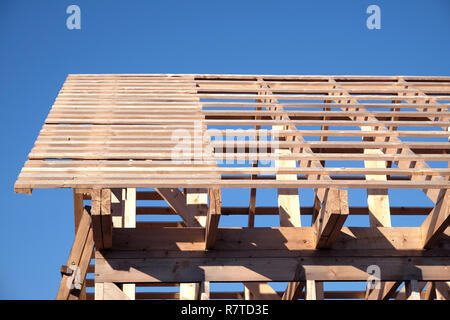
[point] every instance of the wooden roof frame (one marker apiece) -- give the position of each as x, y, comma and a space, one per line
112, 137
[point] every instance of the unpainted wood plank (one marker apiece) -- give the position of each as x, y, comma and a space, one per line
331, 217
106, 217
189, 291
436, 222
442, 290
412, 290
213, 217
261, 291
82, 237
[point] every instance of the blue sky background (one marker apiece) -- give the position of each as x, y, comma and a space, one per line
37, 52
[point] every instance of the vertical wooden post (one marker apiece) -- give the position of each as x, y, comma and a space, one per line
130, 222
412, 290
189, 291
314, 290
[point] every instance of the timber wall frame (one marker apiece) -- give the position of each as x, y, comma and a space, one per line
111, 139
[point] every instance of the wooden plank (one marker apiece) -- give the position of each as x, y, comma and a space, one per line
261, 291
430, 293
288, 199
78, 213
385, 292
235, 183
268, 270
84, 262
377, 199
213, 217
77, 258
412, 290
240, 295
331, 217
129, 219
177, 201
282, 240
99, 291
96, 216
437, 221
117, 207
314, 290
293, 290
77, 207
442, 290
204, 290
129, 207
197, 201
189, 291
106, 223
112, 292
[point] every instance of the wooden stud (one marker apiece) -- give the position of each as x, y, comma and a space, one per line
213, 217
412, 290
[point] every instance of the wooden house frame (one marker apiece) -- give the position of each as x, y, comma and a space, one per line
121, 140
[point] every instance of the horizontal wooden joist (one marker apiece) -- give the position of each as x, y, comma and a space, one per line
273, 269
276, 241
189, 155
265, 171
151, 113
305, 210
118, 132
239, 96
341, 123
24, 185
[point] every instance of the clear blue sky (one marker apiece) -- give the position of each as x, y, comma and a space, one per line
37, 52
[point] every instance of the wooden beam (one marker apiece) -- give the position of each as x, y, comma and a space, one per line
178, 202
74, 272
189, 291
412, 290
314, 290
77, 207
204, 290
293, 290
437, 221
197, 202
430, 293
129, 207
98, 291
129, 219
288, 198
252, 202
78, 213
385, 292
284, 241
377, 199
117, 207
262, 269
442, 290
96, 216
261, 291
109, 291
213, 217
331, 217
106, 223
